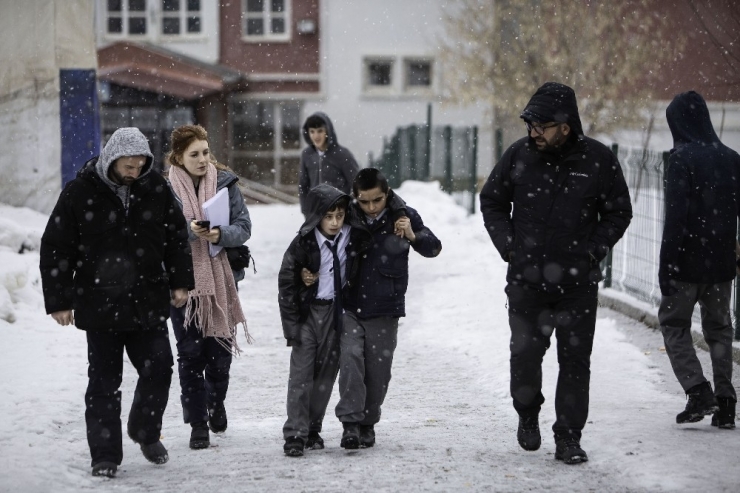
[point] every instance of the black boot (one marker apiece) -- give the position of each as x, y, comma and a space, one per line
217, 421
155, 452
105, 469
293, 447
314, 442
701, 403
351, 436
569, 451
528, 434
725, 416
367, 436
199, 437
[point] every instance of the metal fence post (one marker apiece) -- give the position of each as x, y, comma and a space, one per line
428, 145
499, 144
448, 159
413, 162
473, 185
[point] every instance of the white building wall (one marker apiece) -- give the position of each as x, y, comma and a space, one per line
203, 47
351, 30
38, 39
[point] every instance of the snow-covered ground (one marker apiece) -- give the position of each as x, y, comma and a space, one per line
448, 423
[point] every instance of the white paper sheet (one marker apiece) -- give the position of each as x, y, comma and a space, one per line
216, 210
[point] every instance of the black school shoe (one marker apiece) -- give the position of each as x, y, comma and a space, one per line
367, 436
293, 447
199, 438
217, 421
351, 436
701, 402
105, 469
314, 441
569, 451
725, 416
155, 452
528, 434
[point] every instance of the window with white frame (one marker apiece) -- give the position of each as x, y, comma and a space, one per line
378, 74
417, 74
266, 20
181, 17
126, 17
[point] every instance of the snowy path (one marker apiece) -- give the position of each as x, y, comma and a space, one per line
447, 425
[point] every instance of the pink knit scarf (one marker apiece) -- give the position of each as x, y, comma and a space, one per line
214, 303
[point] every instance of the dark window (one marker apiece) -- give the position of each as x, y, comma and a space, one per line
171, 5
137, 25
114, 5
193, 24
136, 5
193, 5
255, 27
115, 25
419, 73
278, 26
171, 25
379, 73
254, 126
255, 6
278, 5
291, 131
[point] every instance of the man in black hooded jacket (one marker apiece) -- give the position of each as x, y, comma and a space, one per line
697, 257
570, 206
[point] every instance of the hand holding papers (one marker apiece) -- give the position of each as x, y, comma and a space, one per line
216, 210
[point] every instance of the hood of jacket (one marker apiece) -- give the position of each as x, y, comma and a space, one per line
689, 121
318, 201
554, 102
331, 136
128, 141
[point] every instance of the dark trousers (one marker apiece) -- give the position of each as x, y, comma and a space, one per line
533, 316
313, 371
675, 322
151, 355
203, 365
366, 348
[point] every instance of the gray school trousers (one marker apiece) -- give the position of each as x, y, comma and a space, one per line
313, 371
674, 316
365, 356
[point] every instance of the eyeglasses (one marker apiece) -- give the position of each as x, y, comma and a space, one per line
538, 127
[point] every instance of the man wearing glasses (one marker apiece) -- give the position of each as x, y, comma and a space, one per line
570, 206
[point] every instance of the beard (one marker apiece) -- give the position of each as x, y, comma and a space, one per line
119, 179
554, 143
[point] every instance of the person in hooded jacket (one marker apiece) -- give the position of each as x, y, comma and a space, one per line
384, 230
324, 160
309, 295
114, 256
205, 329
698, 259
570, 206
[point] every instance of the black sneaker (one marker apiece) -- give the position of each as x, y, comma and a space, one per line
528, 434
725, 416
293, 447
569, 451
105, 469
351, 436
701, 403
217, 421
314, 441
367, 436
199, 437
155, 452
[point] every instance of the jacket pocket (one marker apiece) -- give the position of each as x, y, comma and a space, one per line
393, 282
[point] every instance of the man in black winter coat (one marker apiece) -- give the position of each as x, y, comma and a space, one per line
114, 255
570, 206
697, 257
324, 160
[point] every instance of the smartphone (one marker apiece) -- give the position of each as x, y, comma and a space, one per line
204, 224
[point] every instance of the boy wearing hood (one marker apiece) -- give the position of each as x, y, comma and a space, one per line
324, 160
697, 257
114, 256
570, 206
310, 285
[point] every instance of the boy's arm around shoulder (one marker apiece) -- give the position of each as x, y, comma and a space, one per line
426, 243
